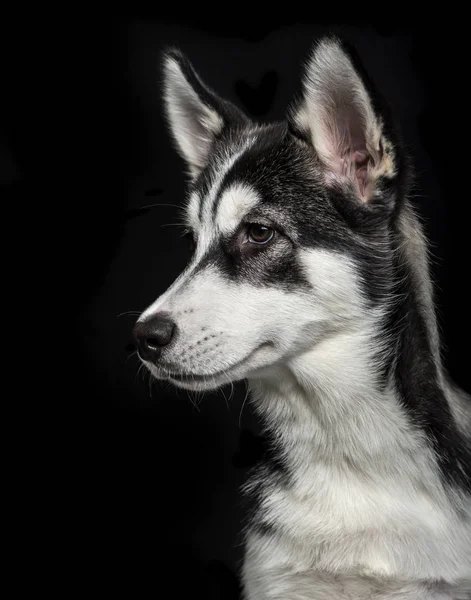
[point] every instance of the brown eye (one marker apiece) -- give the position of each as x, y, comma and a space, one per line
259, 234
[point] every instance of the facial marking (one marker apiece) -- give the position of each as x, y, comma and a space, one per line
200, 209
234, 204
334, 279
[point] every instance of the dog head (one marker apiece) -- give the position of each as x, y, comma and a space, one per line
291, 224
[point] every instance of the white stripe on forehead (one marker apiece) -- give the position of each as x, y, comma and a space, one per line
234, 204
222, 168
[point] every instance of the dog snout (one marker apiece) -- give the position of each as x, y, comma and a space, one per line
153, 334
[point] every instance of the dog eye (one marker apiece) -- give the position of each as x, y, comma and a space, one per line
259, 234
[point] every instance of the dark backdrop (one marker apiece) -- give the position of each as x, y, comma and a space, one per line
152, 474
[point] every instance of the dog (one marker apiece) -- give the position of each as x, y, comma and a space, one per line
309, 278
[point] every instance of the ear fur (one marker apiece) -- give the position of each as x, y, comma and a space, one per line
196, 115
336, 114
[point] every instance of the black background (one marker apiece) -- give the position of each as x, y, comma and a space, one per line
143, 483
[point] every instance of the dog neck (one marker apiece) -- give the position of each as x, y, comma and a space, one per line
324, 404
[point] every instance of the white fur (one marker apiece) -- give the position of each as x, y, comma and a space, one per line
210, 341
193, 124
236, 202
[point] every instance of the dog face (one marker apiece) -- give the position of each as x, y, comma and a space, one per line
291, 224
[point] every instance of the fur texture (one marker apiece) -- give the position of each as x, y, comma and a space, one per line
366, 492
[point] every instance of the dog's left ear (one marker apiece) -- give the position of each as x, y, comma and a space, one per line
336, 114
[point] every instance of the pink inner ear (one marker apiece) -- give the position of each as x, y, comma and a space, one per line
351, 157
361, 161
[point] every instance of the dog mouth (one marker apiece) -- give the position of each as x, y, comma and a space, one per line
168, 371
189, 377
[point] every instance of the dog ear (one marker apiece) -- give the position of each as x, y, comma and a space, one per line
196, 115
336, 114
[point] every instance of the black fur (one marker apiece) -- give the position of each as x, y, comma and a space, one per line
417, 380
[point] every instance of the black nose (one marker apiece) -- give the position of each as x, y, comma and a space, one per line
152, 334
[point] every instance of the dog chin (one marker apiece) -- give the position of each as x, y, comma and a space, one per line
204, 384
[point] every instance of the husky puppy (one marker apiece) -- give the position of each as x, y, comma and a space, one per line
310, 279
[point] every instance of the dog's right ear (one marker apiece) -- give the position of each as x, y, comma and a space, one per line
196, 115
